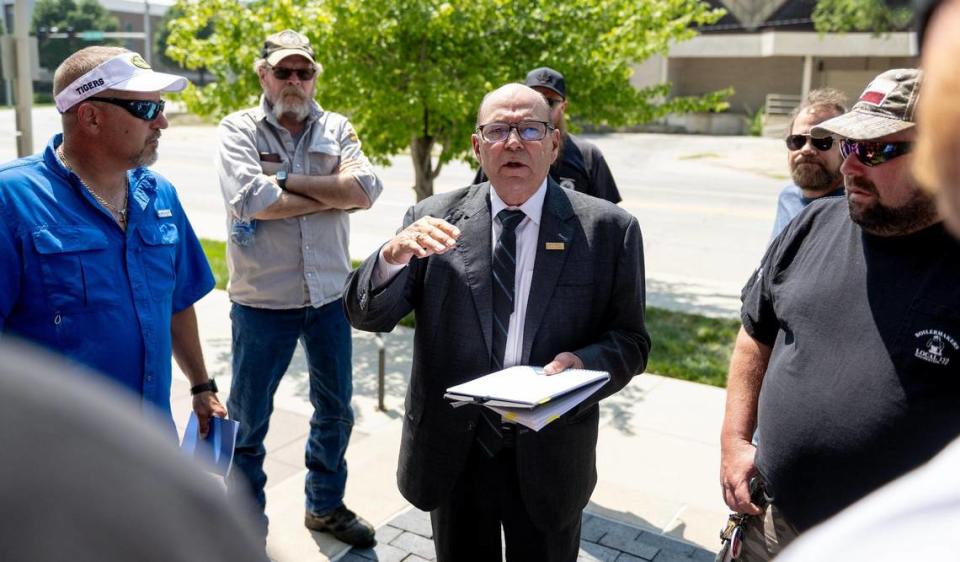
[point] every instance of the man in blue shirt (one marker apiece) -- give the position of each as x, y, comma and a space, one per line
814, 163
97, 258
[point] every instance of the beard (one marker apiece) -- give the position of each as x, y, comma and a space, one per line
876, 218
292, 103
813, 175
148, 156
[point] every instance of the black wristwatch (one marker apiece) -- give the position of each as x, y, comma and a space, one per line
209, 386
282, 179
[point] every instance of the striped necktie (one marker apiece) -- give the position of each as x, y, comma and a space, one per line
504, 276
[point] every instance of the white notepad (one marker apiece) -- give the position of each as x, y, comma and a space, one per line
523, 394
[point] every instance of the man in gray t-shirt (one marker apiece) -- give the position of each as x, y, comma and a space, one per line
289, 172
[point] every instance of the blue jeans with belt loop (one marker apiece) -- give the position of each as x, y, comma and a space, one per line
264, 341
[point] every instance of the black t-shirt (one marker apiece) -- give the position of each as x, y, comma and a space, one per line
579, 166
863, 382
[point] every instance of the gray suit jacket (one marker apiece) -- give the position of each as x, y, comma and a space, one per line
587, 299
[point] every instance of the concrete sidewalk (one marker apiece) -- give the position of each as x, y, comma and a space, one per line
658, 453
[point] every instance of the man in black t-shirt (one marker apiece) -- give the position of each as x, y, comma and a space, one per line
849, 354
580, 164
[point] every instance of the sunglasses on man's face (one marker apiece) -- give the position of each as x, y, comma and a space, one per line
148, 110
304, 74
796, 142
874, 153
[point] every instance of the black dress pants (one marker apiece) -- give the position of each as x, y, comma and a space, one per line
466, 527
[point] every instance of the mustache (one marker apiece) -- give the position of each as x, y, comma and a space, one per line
813, 161
293, 91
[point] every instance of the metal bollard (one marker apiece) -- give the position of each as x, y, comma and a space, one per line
382, 354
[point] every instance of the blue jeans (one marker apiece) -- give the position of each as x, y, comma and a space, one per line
263, 344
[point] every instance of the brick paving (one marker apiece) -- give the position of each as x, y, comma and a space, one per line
409, 538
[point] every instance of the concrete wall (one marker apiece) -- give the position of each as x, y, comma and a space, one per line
852, 75
752, 79
649, 72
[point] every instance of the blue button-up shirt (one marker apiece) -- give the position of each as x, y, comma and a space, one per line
73, 281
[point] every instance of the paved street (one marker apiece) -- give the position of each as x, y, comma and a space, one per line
657, 456
705, 204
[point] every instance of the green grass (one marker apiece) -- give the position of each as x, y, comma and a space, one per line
685, 346
690, 346
217, 256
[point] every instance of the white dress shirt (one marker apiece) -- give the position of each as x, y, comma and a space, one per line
528, 234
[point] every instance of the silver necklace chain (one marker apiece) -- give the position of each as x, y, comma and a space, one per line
120, 214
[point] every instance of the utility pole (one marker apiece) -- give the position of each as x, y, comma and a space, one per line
147, 47
7, 88
24, 79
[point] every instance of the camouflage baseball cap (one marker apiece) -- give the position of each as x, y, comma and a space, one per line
284, 44
888, 105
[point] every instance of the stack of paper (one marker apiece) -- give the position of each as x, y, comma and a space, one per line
527, 396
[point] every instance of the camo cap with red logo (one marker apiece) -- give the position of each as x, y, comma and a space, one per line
888, 105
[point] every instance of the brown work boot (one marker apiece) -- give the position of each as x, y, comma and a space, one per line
343, 524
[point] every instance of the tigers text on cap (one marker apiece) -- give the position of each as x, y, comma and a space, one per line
127, 72
888, 105
546, 77
288, 42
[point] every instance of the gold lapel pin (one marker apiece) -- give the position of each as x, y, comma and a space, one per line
555, 246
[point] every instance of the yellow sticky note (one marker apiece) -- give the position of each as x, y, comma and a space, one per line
510, 416
555, 245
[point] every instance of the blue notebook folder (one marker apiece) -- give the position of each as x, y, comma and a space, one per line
216, 449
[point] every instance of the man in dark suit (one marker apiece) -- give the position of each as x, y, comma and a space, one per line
572, 297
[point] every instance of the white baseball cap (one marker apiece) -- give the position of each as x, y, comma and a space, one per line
127, 72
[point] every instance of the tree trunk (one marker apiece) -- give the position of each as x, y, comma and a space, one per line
421, 149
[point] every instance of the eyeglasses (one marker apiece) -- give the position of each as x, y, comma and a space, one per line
304, 74
528, 131
874, 153
796, 142
148, 110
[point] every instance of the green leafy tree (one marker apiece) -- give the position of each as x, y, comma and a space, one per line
411, 73
875, 16
162, 38
51, 16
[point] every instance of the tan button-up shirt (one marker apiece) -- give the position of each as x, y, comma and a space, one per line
293, 262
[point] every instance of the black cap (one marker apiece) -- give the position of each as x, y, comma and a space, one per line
546, 77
